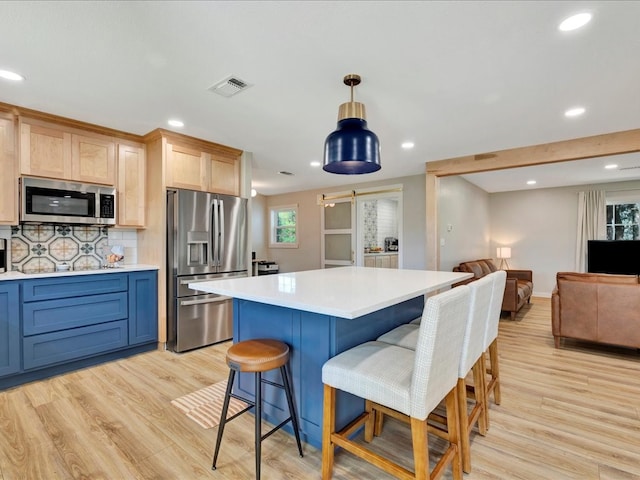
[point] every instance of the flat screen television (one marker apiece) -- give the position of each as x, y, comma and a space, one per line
613, 256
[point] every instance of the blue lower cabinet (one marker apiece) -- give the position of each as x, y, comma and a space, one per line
9, 328
143, 307
58, 324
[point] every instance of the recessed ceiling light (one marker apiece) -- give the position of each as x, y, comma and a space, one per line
176, 123
253, 192
7, 75
531, 182
574, 112
408, 145
574, 22
611, 166
315, 164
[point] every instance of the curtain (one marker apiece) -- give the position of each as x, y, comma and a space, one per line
592, 223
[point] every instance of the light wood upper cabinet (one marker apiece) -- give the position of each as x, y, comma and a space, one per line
186, 167
131, 186
9, 176
45, 151
93, 159
66, 154
225, 175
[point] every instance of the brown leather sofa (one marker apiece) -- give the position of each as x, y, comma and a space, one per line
597, 307
517, 290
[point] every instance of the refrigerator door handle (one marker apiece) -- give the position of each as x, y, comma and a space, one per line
221, 233
215, 225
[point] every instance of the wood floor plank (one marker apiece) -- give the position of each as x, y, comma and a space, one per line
86, 450
121, 423
26, 450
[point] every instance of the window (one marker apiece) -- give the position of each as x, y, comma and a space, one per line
622, 221
284, 227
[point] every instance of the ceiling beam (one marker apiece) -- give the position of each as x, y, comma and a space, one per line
587, 147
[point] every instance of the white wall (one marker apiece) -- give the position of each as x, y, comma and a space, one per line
463, 222
307, 256
540, 227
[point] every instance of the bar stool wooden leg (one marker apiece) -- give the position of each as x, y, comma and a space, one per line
453, 428
480, 395
420, 441
223, 416
483, 385
495, 371
328, 428
465, 444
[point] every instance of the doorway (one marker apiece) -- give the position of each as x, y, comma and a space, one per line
362, 228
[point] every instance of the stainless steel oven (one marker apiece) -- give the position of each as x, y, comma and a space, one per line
54, 201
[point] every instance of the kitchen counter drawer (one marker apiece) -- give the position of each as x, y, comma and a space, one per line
73, 286
53, 315
52, 348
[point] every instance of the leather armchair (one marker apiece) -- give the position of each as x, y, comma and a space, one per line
596, 307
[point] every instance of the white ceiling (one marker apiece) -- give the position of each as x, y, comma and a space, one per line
457, 78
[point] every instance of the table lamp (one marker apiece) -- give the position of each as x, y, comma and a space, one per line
503, 253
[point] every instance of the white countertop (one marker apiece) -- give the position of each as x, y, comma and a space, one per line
346, 292
27, 276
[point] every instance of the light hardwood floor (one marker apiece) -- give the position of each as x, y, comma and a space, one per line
572, 413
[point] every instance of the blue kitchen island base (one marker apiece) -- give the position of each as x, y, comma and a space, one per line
313, 338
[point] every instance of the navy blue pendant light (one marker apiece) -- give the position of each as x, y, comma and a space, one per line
352, 149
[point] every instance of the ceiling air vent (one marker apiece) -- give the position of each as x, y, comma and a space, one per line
629, 168
229, 86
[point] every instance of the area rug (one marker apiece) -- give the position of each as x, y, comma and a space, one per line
204, 406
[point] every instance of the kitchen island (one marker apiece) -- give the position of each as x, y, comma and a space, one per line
320, 313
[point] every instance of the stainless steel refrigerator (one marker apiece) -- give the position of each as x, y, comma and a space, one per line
206, 240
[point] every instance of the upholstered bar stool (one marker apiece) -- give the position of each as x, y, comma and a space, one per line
258, 356
470, 360
400, 381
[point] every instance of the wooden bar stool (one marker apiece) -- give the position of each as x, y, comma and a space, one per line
257, 356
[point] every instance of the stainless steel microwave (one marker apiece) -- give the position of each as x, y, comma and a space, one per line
54, 201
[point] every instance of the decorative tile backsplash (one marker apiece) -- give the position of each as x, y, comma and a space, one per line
39, 248
371, 223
